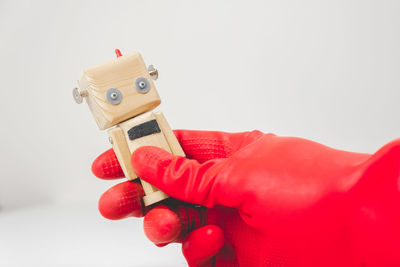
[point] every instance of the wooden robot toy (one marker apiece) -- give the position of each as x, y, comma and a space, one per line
121, 96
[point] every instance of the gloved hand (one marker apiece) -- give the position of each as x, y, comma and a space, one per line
271, 201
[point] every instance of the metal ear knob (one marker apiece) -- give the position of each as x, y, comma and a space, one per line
153, 72
79, 95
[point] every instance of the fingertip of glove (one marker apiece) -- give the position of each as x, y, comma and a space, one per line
97, 169
121, 201
106, 206
203, 243
161, 225
148, 159
106, 166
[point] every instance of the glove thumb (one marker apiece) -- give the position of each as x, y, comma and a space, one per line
182, 178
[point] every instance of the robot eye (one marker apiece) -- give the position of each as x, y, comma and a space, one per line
114, 96
142, 85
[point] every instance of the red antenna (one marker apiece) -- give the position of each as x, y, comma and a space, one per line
118, 52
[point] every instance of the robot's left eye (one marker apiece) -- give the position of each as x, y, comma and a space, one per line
142, 85
114, 96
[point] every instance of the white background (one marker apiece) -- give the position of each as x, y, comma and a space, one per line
323, 70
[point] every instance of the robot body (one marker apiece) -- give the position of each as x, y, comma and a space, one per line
148, 129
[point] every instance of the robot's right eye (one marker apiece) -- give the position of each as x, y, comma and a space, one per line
114, 96
142, 85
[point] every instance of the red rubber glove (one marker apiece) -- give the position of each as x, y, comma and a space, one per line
272, 201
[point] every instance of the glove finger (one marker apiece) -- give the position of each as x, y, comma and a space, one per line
179, 177
106, 166
199, 145
122, 200
201, 245
207, 145
165, 224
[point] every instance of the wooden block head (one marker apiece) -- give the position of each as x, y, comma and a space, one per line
118, 90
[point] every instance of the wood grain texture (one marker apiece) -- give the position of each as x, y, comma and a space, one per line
122, 152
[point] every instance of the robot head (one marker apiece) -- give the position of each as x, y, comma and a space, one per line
118, 90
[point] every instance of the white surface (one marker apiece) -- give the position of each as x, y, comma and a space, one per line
323, 70
76, 235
